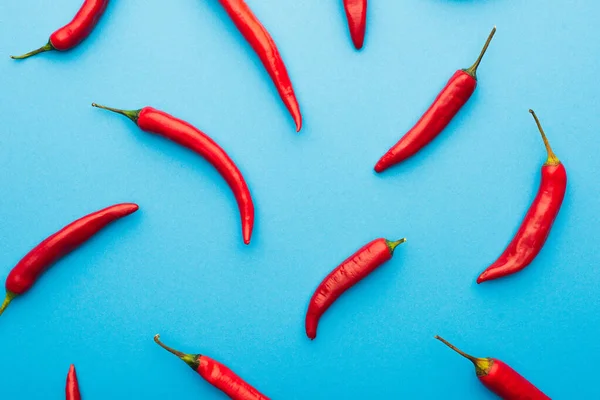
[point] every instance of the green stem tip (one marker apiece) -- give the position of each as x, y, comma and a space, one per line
9, 297
393, 244
47, 47
189, 359
552, 158
482, 365
472, 70
131, 114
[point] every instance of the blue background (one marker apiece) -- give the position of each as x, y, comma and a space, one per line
178, 267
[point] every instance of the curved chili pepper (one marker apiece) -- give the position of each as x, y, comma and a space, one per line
217, 375
538, 221
262, 43
347, 274
75, 31
23, 276
500, 378
72, 389
152, 120
446, 105
356, 12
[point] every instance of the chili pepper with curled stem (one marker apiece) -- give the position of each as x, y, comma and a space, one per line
75, 31
72, 388
500, 378
536, 226
264, 46
347, 274
449, 101
356, 13
152, 120
217, 375
24, 275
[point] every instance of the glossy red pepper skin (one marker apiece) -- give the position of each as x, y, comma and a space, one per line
507, 383
500, 378
451, 99
264, 46
446, 105
158, 122
72, 388
356, 13
76, 31
24, 275
347, 274
535, 228
217, 374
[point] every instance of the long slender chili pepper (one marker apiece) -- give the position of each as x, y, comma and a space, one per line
500, 378
152, 120
347, 274
217, 375
356, 12
72, 388
22, 277
535, 228
451, 99
262, 43
75, 31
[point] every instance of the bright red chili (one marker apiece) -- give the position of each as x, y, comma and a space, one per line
538, 221
500, 378
446, 105
75, 31
181, 132
30, 268
356, 12
347, 274
72, 388
217, 375
262, 43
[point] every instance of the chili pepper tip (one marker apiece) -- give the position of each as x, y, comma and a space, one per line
552, 158
47, 47
9, 297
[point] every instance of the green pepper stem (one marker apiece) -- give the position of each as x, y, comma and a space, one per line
47, 47
189, 359
552, 158
131, 114
9, 297
393, 244
482, 365
472, 70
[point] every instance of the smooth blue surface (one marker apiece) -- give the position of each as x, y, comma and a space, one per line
178, 267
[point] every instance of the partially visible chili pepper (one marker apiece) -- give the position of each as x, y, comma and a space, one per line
356, 12
152, 120
536, 226
72, 388
264, 46
75, 31
23, 276
217, 375
347, 274
500, 378
451, 99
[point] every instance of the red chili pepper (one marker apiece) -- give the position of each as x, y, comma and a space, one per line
22, 277
446, 105
217, 375
181, 132
72, 388
535, 228
356, 12
75, 31
501, 379
262, 43
347, 274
